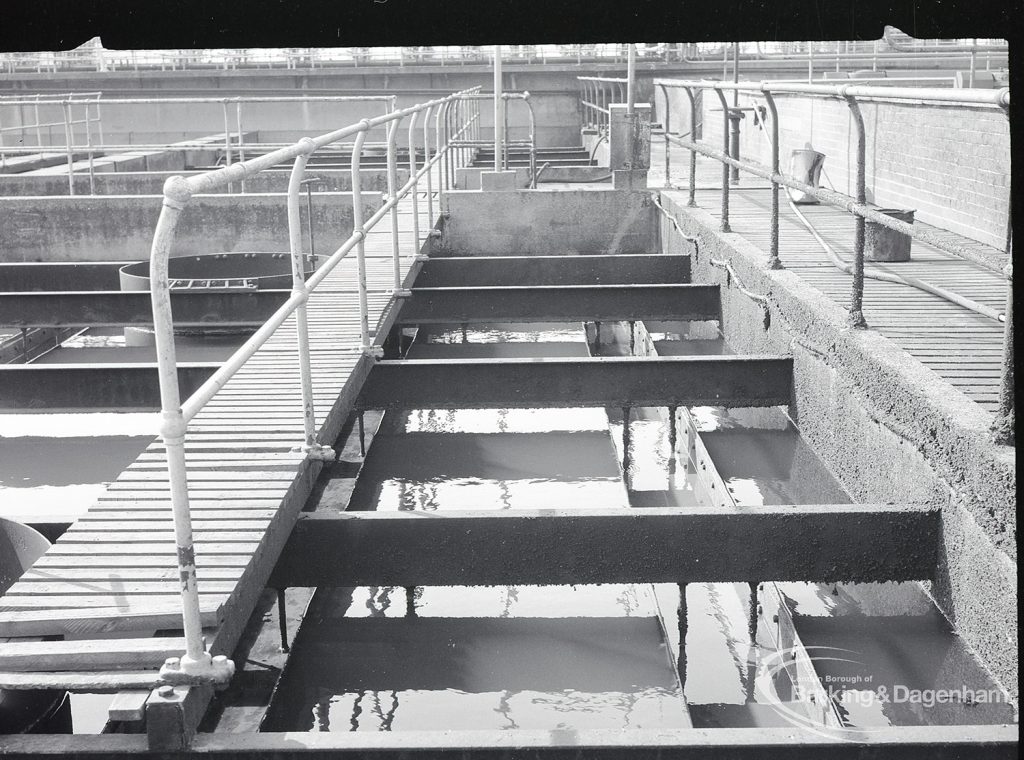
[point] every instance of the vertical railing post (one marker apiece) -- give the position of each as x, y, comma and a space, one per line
668, 146
857, 297
227, 139
241, 148
357, 227
498, 103
692, 200
196, 660
630, 78
429, 168
396, 254
439, 154
39, 131
310, 445
1003, 428
724, 226
88, 143
773, 240
415, 184
68, 141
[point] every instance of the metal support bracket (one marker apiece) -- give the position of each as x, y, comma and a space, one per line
217, 670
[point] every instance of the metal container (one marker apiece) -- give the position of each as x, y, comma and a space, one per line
27, 711
884, 244
805, 165
211, 272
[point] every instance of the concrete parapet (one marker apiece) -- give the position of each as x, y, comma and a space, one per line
891, 429
549, 222
109, 228
503, 180
468, 177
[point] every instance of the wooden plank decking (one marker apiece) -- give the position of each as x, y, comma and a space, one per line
961, 346
114, 570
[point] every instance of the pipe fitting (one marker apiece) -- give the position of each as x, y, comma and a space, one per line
177, 192
173, 427
308, 146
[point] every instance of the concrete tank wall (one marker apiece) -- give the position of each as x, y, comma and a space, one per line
891, 430
548, 222
116, 228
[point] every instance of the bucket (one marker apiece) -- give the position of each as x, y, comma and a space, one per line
884, 244
805, 165
27, 710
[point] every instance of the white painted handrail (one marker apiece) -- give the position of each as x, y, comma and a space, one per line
197, 663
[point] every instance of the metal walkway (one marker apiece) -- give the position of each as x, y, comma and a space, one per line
961, 346
114, 570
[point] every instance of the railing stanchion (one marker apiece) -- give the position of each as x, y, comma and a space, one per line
692, 200
299, 289
1003, 428
773, 241
68, 141
498, 137
429, 169
439, 156
241, 142
357, 227
857, 297
668, 147
227, 141
88, 143
415, 185
195, 660
724, 226
396, 254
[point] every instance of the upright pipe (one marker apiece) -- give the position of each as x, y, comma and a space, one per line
172, 431
88, 143
426, 159
241, 149
724, 226
630, 78
299, 289
439, 154
857, 297
1003, 428
67, 147
357, 226
415, 184
227, 140
396, 261
773, 240
692, 200
498, 103
668, 146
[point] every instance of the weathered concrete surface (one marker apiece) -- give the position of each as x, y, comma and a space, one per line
122, 182
121, 227
891, 430
630, 137
468, 177
549, 222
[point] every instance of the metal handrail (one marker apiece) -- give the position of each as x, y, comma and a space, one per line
66, 101
1003, 427
598, 93
197, 663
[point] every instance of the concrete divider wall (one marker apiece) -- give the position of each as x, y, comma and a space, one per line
892, 430
950, 163
549, 222
114, 228
152, 183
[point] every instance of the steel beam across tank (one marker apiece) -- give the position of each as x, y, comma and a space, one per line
824, 543
33, 387
91, 308
560, 303
470, 271
737, 381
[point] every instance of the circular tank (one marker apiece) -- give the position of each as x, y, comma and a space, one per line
22, 711
243, 270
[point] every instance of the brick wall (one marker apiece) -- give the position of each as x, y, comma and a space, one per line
950, 163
